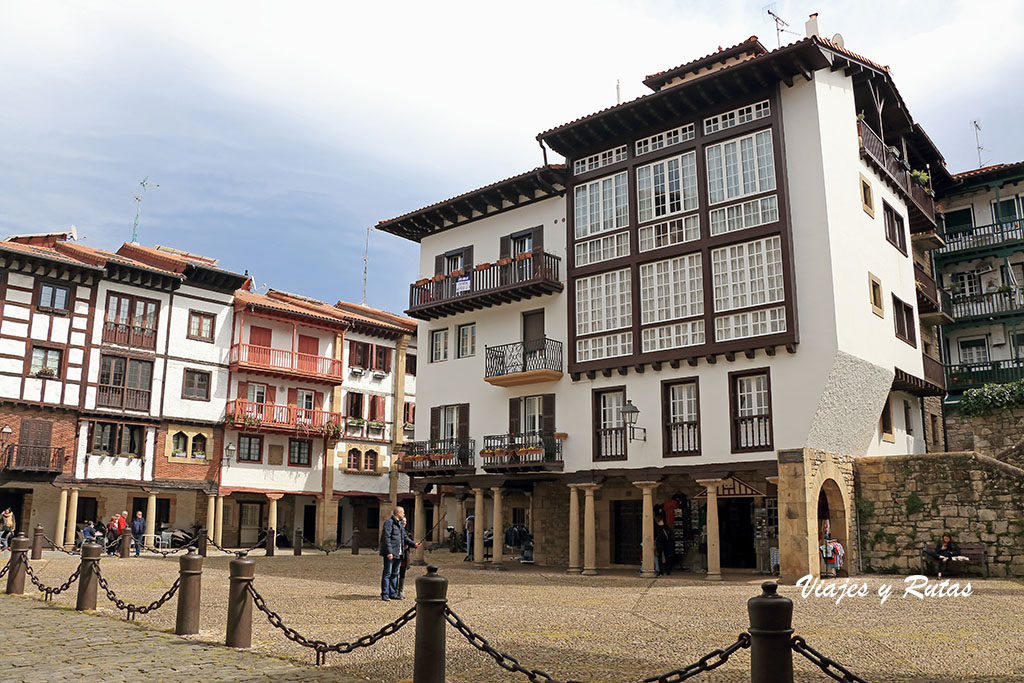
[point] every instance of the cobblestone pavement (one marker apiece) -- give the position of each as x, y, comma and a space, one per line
613, 627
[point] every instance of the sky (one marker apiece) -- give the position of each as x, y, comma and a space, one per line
279, 132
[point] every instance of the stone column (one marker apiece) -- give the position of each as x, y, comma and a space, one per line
648, 487
69, 534
498, 542
589, 530
211, 514
478, 529
714, 544
62, 516
218, 531
420, 535
439, 515
574, 529
151, 519
272, 518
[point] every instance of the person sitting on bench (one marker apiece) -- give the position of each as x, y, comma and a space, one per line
944, 551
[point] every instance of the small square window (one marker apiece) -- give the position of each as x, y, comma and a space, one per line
200, 326
467, 340
196, 385
867, 196
250, 448
45, 362
299, 452
875, 292
54, 297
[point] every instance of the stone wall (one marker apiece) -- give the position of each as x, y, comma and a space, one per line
989, 435
907, 501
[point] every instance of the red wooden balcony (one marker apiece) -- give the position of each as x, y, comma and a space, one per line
248, 415
129, 335
280, 362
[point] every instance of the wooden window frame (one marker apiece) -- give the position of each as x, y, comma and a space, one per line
908, 418
879, 307
184, 383
365, 460
901, 310
595, 402
348, 459
198, 337
867, 199
309, 444
208, 442
124, 387
184, 453
118, 437
46, 348
259, 439
131, 324
734, 377
458, 340
666, 391
37, 297
890, 435
349, 396
901, 239
357, 349
410, 364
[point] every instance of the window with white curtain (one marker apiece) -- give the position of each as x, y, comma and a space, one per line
740, 167
601, 205
667, 187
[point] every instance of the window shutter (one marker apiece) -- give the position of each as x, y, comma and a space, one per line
353, 348
467, 258
538, 239
435, 423
505, 246
439, 264
293, 397
318, 400
463, 427
547, 420
243, 390
271, 394
93, 447
371, 355
387, 359
513, 415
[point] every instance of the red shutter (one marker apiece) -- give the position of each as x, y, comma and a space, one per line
271, 394
371, 356
318, 400
352, 355
382, 411
435, 423
243, 391
387, 360
293, 397
260, 336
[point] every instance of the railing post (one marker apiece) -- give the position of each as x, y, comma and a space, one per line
201, 546
16, 574
126, 543
771, 627
297, 543
431, 602
242, 570
190, 577
271, 537
87, 583
355, 541
37, 542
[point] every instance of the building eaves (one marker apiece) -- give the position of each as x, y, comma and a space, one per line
253, 300
48, 254
655, 81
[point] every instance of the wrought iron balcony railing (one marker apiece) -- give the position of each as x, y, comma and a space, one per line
33, 458
982, 236
438, 456
542, 357
522, 451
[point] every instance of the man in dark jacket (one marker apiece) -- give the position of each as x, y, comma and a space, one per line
393, 543
138, 529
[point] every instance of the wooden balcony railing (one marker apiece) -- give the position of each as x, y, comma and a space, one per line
979, 237
682, 438
439, 456
610, 443
523, 451
962, 376
33, 458
119, 397
281, 360
875, 149
249, 414
933, 371
752, 433
129, 335
932, 301
511, 279
993, 303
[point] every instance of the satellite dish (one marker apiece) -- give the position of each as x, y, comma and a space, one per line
74, 233
838, 40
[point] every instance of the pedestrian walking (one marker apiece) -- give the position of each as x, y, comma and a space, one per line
470, 520
393, 543
7, 527
113, 534
138, 529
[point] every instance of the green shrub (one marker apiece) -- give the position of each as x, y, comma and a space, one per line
914, 504
990, 398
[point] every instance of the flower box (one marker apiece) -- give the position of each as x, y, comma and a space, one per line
420, 283
504, 261
561, 436
457, 273
523, 256
483, 266
409, 426
45, 372
375, 425
439, 277
356, 422
501, 453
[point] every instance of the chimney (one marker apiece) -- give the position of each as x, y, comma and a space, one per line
812, 27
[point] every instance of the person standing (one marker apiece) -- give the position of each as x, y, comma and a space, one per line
7, 527
470, 520
113, 534
138, 529
405, 562
393, 544
122, 521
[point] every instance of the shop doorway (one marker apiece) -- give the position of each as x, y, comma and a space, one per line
14, 499
628, 518
248, 523
309, 523
736, 533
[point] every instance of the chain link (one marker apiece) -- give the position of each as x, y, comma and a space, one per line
60, 549
48, 591
507, 662
317, 546
320, 647
175, 551
824, 663
6, 568
711, 660
129, 607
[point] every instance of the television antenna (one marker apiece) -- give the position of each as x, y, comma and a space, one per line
780, 23
138, 206
977, 140
366, 260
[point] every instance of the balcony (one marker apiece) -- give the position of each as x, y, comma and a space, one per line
129, 335
438, 457
920, 203
984, 240
121, 398
249, 415
933, 371
752, 433
682, 438
528, 452
488, 284
610, 443
282, 363
965, 376
1000, 303
33, 458
525, 362
934, 305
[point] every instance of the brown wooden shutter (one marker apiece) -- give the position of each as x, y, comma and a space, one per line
463, 427
514, 410
439, 264
538, 238
467, 258
35, 433
547, 421
260, 336
293, 397
271, 395
387, 359
318, 400
309, 345
243, 391
505, 246
435, 423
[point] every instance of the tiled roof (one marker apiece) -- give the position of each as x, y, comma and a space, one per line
751, 43
50, 254
376, 315
994, 168
277, 303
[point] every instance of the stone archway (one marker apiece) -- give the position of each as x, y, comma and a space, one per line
832, 505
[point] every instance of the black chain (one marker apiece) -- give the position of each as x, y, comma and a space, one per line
60, 549
711, 660
317, 546
6, 567
129, 607
824, 663
320, 647
507, 662
175, 551
49, 591
221, 548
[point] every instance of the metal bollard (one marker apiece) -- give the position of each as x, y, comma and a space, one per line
355, 541
239, 631
37, 542
16, 574
297, 544
126, 543
87, 583
271, 541
190, 575
431, 601
771, 627
202, 541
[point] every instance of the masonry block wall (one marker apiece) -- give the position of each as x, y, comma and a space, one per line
989, 435
908, 501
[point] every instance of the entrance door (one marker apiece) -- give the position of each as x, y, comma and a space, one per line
14, 499
33, 452
736, 533
533, 340
309, 523
249, 523
627, 521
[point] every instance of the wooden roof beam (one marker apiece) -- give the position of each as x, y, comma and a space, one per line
804, 71
782, 76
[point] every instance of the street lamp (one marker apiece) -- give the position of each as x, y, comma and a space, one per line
229, 452
629, 414
5, 434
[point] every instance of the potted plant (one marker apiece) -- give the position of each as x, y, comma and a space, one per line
356, 422
504, 261
920, 177
420, 283
375, 424
457, 273
525, 255
483, 266
439, 277
561, 436
45, 372
408, 426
